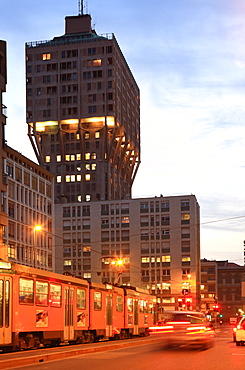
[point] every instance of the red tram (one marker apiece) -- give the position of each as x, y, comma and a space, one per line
38, 308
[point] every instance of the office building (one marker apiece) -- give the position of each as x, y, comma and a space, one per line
83, 113
155, 240
28, 201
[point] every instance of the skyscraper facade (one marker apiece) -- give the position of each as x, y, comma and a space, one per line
3, 184
83, 113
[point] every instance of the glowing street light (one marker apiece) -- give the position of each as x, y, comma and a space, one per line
35, 230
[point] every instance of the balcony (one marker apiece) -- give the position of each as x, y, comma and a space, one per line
4, 110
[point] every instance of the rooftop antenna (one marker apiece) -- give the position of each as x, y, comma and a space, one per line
80, 7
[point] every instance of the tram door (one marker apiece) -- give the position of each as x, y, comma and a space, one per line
136, 317
5, 310
109, 314
69, 314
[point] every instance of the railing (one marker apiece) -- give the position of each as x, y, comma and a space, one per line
69, 39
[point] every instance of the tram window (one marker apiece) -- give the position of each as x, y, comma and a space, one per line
130, 304
141, 305
55, 295
119, 303
81, 298
41, 293
1, 303
146, 308
26, 291
7, 303
97, 300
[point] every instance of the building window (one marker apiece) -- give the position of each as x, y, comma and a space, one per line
46, 56
166, 258
185, 205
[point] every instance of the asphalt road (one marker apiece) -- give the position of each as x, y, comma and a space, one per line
224, 355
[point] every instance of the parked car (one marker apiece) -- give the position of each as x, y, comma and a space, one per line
188, 328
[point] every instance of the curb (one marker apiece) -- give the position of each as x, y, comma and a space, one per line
62, 354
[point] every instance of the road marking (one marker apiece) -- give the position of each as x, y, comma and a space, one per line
238, 354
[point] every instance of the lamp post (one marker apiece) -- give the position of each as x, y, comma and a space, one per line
35, 229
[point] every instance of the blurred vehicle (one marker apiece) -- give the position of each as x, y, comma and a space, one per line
240, 332
188, 328
238, 319
233, 320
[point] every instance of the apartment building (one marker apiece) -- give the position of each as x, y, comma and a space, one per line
28, 202
3, 113
83, 113
209, 288
221, 287
153, 243
230, 277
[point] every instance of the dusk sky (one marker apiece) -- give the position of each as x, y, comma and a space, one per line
188, 58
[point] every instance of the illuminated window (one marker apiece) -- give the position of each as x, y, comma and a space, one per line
125, 220
46, 56
73, 178
55, 295
58, 178
185, 216
97, 62
130, 304
202, 287
88, 197
41, 293
119, 303
97, 300
77, 136
87, 275
79, 177
186, 258
93, 166
81, 298
87, 155
93, 156
58, 158
87, 177
86, 135
67, 157
97, 135
145, 259
79, 198
68, 178
47, 158
165, 286
78, 157
67, 262
73, 157
26, 287
166, 258
87, 167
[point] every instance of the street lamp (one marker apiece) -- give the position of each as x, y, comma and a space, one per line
35, 229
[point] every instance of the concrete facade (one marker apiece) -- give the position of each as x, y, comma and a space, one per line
28, 202
83, 113
221, 287
158, 240
3, 116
